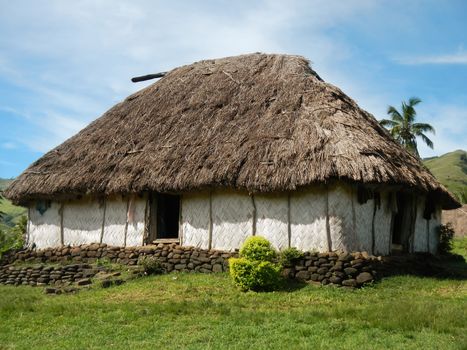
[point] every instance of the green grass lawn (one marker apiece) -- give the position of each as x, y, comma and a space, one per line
197, 311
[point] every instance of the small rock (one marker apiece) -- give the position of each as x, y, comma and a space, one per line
364, 277
106, 283
345, 257
314, 277
303, 275
350, 271
349, 283
365, 255
335, 280
322, 270
339, 274
50, 290
84, 282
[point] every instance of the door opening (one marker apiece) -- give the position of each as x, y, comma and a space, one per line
401, 223
164, 216
398, 220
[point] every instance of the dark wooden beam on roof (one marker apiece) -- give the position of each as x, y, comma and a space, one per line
148, 77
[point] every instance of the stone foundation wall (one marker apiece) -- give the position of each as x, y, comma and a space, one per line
350, 270
42, 275
172, 256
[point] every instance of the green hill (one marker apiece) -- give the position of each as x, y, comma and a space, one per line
12, 213
451, 170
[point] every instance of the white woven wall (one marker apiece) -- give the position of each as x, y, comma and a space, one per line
82, 222
115, 219
44, 230
383, 218
363, 224
341, 219
195, 220
435, 222
135, 231
272, 219
308, 220
232, 219
420, 242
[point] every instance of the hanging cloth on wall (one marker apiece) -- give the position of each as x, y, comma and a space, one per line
430, 206
392, 203
131, 209
42, 206
377, 197
363, 194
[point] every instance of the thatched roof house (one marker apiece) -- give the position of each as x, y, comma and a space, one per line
222, 149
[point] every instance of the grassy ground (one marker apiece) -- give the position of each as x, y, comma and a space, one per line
197, 311
204, 312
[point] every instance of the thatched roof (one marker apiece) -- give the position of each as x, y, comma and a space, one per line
255, 122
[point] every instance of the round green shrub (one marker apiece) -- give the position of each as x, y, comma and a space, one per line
289, 256
254, 275
257, 248
151, 265
446, 235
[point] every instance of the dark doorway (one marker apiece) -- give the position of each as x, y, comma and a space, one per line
398, 219
164, 216
402, 223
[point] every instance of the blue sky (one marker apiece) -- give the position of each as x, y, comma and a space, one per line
64, 63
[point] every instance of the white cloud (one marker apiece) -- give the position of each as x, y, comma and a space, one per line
8, 145
456, 58
450, 123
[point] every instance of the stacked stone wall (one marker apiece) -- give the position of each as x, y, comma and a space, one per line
76, 263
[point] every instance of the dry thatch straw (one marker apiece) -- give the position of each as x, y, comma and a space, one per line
256, 122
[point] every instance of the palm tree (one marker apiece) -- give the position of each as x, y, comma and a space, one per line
403, 128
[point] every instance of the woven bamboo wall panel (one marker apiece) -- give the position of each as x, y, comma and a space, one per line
420, 243
341, 226
272, 219
435, 222
232, 219
135, 230
44, 229
308, 221
195, 218
383, 218
115, 219
363, 223
82, 222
